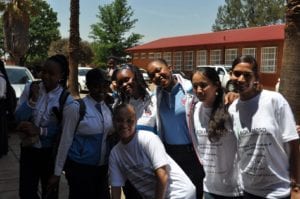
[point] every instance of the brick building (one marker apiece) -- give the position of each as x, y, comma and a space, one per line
184, 53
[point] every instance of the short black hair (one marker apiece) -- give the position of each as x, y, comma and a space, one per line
96, 76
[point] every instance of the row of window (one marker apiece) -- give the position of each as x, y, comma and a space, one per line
186, 59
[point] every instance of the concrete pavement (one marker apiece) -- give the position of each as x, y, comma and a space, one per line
9, 172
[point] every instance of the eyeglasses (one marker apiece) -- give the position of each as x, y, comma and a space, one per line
247, 75
202, 85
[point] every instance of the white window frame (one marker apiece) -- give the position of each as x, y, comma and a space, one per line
136, 55
268, 60
230, 55
249, 51
188, 60
157, 55
177, 60
143, 55
201, 58
215, 57
167, 56
151, 55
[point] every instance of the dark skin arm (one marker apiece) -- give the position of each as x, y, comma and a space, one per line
295, 168
162, 176
116, 192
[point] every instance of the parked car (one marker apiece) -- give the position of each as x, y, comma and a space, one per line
145, 75
277, 85
18, 77
81, 78
223, 71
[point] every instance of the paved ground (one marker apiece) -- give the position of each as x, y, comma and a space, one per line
9, 172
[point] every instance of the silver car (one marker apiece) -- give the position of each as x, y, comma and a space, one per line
18, 77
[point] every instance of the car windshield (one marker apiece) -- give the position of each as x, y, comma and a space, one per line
17, 76
201, 69
227, 68
82, 72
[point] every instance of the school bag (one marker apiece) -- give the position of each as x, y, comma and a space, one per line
10, 102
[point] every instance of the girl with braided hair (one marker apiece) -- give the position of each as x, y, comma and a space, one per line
38, 122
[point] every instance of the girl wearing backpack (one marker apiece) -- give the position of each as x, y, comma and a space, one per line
4, 83
40, 125
83, 150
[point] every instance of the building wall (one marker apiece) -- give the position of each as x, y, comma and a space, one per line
142, 57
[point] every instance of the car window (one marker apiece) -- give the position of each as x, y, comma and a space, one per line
220, 71
202, 68
17, 76
82, 72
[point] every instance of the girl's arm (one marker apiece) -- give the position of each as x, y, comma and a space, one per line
116, 192
162, 176
295, 168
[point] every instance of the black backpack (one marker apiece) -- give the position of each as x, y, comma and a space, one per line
10, 101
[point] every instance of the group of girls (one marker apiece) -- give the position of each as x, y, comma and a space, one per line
180, 142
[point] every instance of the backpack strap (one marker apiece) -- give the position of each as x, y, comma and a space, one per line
58, 112
82, 109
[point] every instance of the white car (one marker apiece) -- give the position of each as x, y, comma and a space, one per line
18, 77
223, 71
81, 78
145, 75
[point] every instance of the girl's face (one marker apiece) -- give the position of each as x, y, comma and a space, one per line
160, 74
51, 74
244, 79
98, 91
126, 83
124, 123
204, 89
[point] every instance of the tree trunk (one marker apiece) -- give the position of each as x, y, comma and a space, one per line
16, 31
290, 73
74, 48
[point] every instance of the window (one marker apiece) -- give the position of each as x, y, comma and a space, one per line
135, 55
143, 55
249, 51
268, 60
188, 60
215, 57
177, 60
201, 58
168, 57
157, 55
151, 55
230, 55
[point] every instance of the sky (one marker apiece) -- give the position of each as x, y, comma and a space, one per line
156, 18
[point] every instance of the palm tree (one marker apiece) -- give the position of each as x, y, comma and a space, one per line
290, 73
74, 47
16, 27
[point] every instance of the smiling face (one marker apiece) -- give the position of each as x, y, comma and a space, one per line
51, 74
125, 122
160, 74
244, 79
126, 83
204, 89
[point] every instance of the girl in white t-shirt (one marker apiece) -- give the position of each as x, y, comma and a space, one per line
141, 158
214, 140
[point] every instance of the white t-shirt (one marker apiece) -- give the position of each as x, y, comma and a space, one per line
264, 125
137, 162
219, 159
